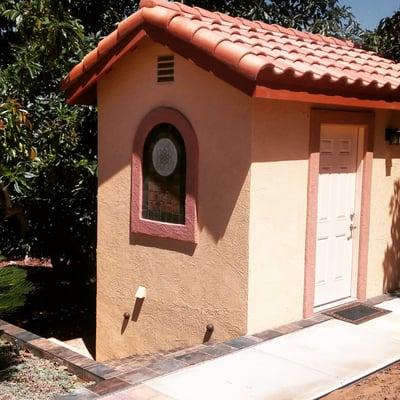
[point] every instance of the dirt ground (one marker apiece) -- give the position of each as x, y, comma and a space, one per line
27, 262
384, 385
26, 377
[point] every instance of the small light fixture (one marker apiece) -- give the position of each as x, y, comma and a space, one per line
392, 135
140, 292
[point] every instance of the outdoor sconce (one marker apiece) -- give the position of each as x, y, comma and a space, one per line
140, 292
392, 135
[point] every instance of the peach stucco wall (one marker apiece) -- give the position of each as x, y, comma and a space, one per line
188, 286
384, 242
278, 199
246, 273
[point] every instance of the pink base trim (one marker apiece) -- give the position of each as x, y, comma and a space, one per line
319, 117
189, 231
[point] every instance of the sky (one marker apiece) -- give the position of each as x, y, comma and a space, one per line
370, 12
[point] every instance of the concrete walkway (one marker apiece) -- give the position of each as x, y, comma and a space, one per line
305, 364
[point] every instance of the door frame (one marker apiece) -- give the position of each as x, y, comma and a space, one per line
364, 120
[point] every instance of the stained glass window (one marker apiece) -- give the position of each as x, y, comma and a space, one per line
164, 175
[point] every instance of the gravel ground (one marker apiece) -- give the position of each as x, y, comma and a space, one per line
26, 377
384, 385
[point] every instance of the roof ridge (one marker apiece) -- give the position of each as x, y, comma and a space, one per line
249, 23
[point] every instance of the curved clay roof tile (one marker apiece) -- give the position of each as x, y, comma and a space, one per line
249, 50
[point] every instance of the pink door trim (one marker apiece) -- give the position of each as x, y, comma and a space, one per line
362, 119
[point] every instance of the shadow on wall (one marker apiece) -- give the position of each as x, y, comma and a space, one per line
391, 262
227, 148
162, 243
224, 164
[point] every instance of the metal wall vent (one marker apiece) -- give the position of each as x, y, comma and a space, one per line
165, 69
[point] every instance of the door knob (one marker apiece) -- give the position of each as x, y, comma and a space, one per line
352, 227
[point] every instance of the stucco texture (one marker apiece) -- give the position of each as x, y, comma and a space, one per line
278, 211
188, 285
384, 239
247, 272
278, 199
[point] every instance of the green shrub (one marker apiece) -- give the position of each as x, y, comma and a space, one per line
14, 288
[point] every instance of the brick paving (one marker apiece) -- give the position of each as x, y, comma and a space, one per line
115, 375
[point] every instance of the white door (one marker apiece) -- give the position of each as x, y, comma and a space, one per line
336, 222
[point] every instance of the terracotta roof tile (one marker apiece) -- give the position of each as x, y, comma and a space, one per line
107, 43
125, 26
207, 40
256, 53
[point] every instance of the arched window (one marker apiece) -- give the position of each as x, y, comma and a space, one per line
164, 177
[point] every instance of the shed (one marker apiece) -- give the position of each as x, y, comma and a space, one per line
248, 176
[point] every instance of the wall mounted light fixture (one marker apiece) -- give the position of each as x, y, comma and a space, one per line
140, 292
392, 135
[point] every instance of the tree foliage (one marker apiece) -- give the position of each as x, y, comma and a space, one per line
47, 149
326, 17
385, 39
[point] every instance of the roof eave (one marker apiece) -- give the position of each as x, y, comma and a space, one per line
283, 94
76, 91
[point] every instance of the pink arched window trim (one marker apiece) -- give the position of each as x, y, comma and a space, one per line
187, 232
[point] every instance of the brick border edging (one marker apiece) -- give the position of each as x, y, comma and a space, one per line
84, 367
109, 379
